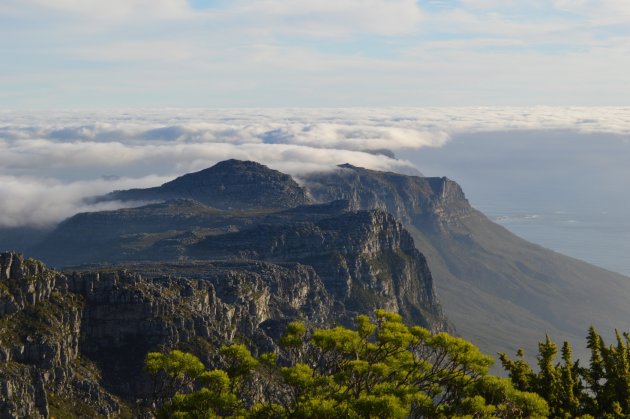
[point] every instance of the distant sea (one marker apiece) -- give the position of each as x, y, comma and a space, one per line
600, 238
563, 190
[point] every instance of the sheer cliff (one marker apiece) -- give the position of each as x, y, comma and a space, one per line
366, 260
74, 343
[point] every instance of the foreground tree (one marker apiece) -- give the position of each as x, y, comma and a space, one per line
384, 369
602, 390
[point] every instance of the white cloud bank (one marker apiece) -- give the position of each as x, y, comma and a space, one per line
49, 162
41, 202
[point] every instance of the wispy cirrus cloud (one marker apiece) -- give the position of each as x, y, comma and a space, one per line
303, 53
103, 13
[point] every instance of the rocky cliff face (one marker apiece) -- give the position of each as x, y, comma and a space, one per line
75, 343
126, 315
366, 260
77, 340
413, 200
40, 365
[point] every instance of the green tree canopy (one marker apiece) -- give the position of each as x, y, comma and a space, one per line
383, 369
600, 390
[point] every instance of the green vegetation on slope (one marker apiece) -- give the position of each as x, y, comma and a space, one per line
600, 390
384, 369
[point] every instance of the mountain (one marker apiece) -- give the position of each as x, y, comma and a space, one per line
73, 343
501, 291
230, 184
365, 258
181, 274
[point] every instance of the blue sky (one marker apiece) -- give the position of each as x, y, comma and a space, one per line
268, 53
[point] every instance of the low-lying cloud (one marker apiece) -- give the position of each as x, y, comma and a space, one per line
51, 161
39, 202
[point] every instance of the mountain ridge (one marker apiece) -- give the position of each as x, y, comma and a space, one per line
501, 291
515, 291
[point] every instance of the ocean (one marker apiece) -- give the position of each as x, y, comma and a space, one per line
600, 238
566, 191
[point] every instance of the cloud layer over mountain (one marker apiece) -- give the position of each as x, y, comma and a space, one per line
50, 161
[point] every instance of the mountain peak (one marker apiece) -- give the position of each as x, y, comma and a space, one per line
230, 184
230, 171
236, 165
347, 166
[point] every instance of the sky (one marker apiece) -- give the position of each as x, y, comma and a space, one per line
87, 54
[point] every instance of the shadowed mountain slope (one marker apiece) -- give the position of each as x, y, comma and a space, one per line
501, 291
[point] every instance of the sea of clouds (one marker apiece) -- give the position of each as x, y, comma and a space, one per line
50, 161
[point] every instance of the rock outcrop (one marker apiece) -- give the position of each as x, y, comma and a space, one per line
413, 200
40, 363
127, 314
366, 260
77, 341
